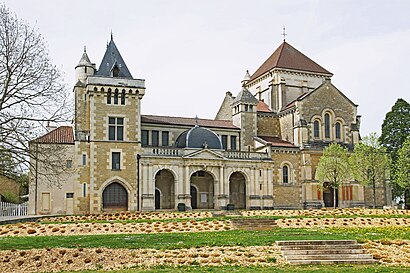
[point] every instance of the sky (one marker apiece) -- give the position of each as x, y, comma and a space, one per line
191, 53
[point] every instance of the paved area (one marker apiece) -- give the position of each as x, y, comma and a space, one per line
19, 219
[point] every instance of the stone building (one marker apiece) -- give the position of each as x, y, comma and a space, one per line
260, 152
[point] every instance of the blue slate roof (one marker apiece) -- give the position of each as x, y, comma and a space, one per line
112, 64
198, 137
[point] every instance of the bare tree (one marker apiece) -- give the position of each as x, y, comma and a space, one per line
32, 93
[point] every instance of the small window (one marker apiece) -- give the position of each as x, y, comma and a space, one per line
115, 128
84, 189
316, 129
116, 96
251, 108
123, 97
327, 126
155, 138
109, 96
144, 138
225, 142
285, 174
69, 195
84, 159
165, 138
246, 108
233, 142
69, 164
338, 127
116, 160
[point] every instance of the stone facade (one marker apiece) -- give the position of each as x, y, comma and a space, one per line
260, 152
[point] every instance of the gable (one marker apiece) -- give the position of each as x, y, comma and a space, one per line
205, 154
326, 97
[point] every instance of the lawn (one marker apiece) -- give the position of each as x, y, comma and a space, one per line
198, 239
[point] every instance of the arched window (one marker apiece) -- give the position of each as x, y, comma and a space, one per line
109, 96
338, 130
327, 125
116, 96
123, 97
285, 174
316, 129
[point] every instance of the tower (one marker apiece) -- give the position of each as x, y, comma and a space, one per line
107, 132
244, 115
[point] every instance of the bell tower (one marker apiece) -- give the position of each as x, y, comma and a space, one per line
244, 115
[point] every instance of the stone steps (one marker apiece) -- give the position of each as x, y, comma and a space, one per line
325, 252
253, 223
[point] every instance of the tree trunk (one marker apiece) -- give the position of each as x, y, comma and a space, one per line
334, 198
374, 194
407, 199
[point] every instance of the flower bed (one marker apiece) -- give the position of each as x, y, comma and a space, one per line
35, 229
52, 260
121, 216
327, 212
342, 222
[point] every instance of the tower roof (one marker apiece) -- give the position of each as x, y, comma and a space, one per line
112, 61
286, 56
245, 96
84, 61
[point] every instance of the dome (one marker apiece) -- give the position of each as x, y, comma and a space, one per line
198, 137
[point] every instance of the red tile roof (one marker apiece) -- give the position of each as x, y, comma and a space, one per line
187, 121
286, 56
60, 135
277, 142
263, 107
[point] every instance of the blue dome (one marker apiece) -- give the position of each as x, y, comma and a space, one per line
198, 137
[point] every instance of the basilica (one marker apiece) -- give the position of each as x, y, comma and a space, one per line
260, 151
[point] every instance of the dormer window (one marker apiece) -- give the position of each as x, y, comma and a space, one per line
115, 71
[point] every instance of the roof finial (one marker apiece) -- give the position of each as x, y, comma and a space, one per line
284, 34
85, 49
196, 121
111, 35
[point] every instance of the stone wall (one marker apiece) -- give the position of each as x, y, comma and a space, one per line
268, 125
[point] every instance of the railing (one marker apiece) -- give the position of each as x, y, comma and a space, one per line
178, 152
9, 209
246, 155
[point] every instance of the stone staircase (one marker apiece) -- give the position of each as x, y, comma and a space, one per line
253, 223
325, 252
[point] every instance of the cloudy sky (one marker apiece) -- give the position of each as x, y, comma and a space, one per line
191, 52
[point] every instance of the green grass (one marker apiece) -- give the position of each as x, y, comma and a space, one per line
282, 269
199, 239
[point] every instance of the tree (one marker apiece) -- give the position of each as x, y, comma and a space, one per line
395, 130
32, 93
402, 173
333, 168
369, 163
396, 127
